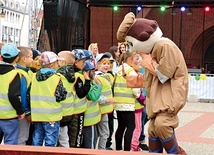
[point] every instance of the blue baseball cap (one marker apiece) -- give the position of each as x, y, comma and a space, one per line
88, 66
9, 50
78, 54
88, 55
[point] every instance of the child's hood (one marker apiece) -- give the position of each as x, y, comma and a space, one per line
5, 68
68, 72
44, 73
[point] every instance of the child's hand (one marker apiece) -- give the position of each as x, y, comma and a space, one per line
123, 70
29, 118
86, 75
22, 116
110, 100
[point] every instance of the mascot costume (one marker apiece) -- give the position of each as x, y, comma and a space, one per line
165, 80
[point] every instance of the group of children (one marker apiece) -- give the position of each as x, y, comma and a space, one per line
56, 99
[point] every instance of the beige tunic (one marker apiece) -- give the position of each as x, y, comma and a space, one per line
170, 96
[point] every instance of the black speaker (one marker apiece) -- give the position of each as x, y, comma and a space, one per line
50, 14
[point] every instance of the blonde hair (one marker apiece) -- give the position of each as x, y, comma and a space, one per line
90, 46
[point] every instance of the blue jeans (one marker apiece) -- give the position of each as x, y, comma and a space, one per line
10, 129
144, 120
47, 132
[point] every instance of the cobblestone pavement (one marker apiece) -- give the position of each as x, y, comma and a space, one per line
195, 133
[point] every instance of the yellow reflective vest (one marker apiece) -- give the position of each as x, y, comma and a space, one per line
44, 107
107, 92
138, 106
31, 73
92, 115
123, 94
111, 77
68, 103
6, 109
26, 75
80, 104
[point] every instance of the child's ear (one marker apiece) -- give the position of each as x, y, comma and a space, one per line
23, 59
51, 65
17, 59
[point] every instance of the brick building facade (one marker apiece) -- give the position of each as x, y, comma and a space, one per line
194, 34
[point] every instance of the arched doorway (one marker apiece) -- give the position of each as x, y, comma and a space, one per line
209, 59
203, 48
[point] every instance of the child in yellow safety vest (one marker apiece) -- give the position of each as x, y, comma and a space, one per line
80, 90
66, 71
92, 115
124, 104
110, 115
106, 99
10, 103
46, 93
33, 69
23, 66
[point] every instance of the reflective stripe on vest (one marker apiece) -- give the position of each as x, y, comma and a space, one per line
123, 94
68, 103
80, 105
107, 92
68, 107
6, 109
44, 107
92, 114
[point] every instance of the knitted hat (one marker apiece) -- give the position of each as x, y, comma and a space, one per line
35, 53
138, 28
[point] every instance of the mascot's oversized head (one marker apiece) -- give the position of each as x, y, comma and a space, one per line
140, 33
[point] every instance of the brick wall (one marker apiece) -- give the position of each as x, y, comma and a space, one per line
193, 42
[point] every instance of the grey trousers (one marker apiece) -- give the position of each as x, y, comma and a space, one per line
63, 137
103, 132
24, 127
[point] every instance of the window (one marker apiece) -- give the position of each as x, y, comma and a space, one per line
6, 3
11, 5
6, 18
18, 19
11, 17
17, 6
11, 31
17, 32
5, 30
